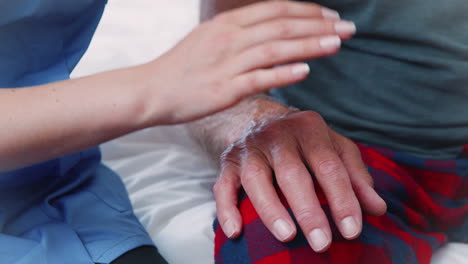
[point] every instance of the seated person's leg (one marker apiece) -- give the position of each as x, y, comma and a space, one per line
426, 208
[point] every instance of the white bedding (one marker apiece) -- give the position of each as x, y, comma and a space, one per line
167, 174
169, 178
169, 184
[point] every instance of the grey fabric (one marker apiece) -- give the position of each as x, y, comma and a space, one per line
401, 82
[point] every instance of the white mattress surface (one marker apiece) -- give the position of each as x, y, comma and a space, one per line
168, 176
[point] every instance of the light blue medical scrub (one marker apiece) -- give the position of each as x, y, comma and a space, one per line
72, 209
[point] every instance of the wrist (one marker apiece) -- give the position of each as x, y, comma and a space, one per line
219, 131
152, 101
250, 112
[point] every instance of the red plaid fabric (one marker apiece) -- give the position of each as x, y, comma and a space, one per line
427, 206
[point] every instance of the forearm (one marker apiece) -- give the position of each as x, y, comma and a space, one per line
48, 121
219, 131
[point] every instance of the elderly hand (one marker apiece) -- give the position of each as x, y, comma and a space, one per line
285, 150
234, 56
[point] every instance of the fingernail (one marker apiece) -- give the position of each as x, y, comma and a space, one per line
301, 69
345, 27
328, 13
349, 227
282, 229
330, 42
229, 228
318, 239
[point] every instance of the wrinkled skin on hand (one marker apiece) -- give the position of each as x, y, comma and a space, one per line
286, 150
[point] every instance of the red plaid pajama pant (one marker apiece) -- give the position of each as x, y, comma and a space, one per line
427, 206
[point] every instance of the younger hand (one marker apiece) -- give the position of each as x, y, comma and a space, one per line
234, 55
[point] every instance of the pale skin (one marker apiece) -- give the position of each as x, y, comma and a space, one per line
261, 139
223, 61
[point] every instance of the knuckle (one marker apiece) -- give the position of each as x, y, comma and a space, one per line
285, 182
343, 209
289, 175
266, 208
308, 47
226, 160
314, 116
250, 173
223, 180
217, 87
340, 144
284, 29
221, 183
216, 188
254, 169
347, 143
252, 80
351, 146
268, 52
320, 153
328, 27
304, 47
306, 216
230, 156
328, 167
273, 131
292, 171
275, 77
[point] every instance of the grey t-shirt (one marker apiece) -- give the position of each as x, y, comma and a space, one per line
401, 82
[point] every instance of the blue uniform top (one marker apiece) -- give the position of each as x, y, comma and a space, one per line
72, 209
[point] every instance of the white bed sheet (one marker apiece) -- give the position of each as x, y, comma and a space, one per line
168, 176
169, 179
